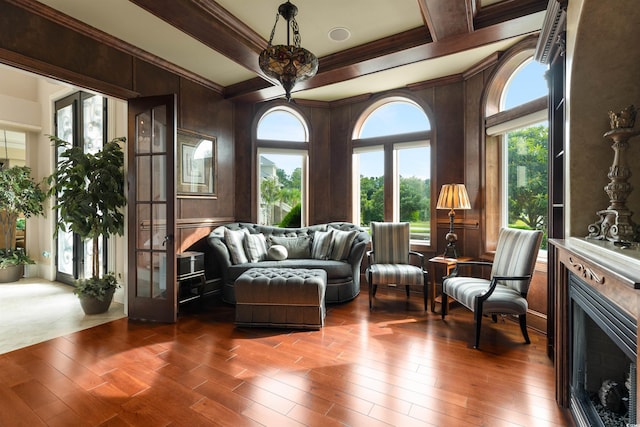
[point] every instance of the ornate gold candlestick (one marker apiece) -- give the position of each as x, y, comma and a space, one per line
615, 222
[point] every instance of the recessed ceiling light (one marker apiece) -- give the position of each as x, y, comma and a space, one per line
339, 34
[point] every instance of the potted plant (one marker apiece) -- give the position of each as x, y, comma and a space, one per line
20, 196
90, 201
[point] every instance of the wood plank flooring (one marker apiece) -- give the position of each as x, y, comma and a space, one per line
397, 365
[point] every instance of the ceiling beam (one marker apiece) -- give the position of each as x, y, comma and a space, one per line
212, 25
446, 18
255, 90
506, 10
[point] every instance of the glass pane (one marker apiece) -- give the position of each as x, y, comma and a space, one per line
64, 117
159, 130
526, 84
159, 222
414, 190
144, 227
395, 118
159, 178
527, 187
93, 115
143, 279
282, 125
65, 252
143, 178
159, 289
280, 189
143, 133
369, 166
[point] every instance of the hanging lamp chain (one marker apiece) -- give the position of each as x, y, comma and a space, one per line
288, 12
273, 30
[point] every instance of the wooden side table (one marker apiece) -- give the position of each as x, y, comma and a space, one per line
448, 264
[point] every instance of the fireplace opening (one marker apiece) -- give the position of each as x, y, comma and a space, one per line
603, 357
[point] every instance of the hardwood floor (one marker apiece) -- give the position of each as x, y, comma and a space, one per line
395, 366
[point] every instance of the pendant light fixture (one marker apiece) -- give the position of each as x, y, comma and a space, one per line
288, 64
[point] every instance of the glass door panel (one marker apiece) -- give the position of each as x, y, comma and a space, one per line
153, 294
80, 120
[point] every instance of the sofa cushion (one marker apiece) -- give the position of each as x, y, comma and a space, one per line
297, 247
337, 271
234, 240
255, 247
277, 253
321, 246
342, 241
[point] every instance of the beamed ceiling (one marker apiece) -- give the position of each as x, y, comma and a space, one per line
392, 44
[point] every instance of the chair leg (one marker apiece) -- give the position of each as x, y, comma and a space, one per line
445, 305
425, 293
523, 328
406, 289
494, 318
425, 288
371, 286
477, 315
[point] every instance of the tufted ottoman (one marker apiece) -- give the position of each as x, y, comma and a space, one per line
281, 297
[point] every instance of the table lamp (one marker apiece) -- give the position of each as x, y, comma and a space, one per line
452, 196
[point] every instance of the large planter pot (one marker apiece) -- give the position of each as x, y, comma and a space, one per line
92, 305
11, 274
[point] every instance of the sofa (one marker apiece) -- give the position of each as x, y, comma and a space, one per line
336, 247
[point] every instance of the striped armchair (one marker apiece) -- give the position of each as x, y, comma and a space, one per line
389, 260
506, 290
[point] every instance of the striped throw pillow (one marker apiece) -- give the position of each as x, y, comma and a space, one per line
255, 247
321, 246
342, 241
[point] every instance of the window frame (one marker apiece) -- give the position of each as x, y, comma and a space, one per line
286, 147
498, 122
389, 145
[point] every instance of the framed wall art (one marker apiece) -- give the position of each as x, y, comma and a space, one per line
196, 163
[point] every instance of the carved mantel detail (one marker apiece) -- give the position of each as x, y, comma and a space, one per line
585, 272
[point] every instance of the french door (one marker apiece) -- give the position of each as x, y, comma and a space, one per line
81, 120
152, 293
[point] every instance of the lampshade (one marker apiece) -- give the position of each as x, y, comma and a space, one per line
288, 64
453, 196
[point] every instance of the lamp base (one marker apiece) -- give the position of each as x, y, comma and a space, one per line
450, 251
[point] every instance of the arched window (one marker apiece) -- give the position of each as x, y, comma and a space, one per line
517, 152
392, 166
282, 141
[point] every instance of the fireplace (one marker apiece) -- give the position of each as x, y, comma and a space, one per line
602, 357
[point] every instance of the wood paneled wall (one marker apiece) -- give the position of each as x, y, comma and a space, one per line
54, 50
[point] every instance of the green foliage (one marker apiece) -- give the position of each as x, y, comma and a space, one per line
371, 199
90, 191
270, 194
9, 258
415, 199
293, 218
527, 180
96, 287
20, 195
282, 188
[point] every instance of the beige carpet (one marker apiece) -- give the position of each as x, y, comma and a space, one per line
34, 310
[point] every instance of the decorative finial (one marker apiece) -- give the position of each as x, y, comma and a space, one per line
624, 119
